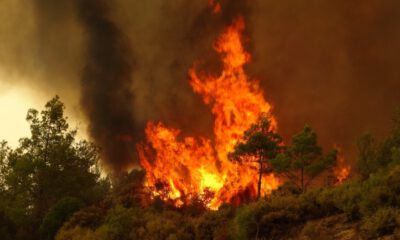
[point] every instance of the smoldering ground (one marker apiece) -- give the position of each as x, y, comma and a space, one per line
330, 64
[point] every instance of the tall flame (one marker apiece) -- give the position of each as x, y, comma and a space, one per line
342, 171
196, 167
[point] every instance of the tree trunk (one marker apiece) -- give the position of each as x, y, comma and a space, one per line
302, 179
259, 179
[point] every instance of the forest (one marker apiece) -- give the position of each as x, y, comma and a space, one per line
199, 120
53, 187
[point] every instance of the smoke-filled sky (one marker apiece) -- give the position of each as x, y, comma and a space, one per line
332, 64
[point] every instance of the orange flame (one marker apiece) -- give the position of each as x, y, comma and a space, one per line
342, 174
342, 171
215, 6
197, 167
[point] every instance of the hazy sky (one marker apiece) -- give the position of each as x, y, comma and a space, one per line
15, 101
332, 64
33, 69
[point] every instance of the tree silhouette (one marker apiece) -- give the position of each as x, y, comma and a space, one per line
303, 160
260, 144
48, 166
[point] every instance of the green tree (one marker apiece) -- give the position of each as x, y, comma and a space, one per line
7, 226
259, 146
366, 155
57, 215
303, 160
4, 152
377, 155
48, 166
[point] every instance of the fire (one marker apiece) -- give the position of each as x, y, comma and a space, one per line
342, 171
215, 6
196, 167
342, 174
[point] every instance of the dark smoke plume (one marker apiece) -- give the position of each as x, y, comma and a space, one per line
332, 64
106, 94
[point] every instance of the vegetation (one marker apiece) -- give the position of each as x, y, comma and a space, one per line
260, 145
51, 188
41, 176
303, 160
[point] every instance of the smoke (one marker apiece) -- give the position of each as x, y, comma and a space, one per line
332, 64
106, 93
167, 43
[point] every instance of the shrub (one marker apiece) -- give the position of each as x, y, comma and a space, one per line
76, 233
118, 224
57, 215
91, 218
214, 224
7, 227
310, 230
246, 221
347, 199
384, 221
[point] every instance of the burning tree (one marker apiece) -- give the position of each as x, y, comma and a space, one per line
191, 166
260, 145
303, 160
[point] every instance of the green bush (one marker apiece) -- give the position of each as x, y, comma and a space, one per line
383, 222
90, 217
267, 218
214, 224
310, 231
7, 227
76, 233
118, 224
347, 199
393, 183
246, 221
57, 215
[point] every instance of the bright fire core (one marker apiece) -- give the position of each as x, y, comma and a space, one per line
196, 167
